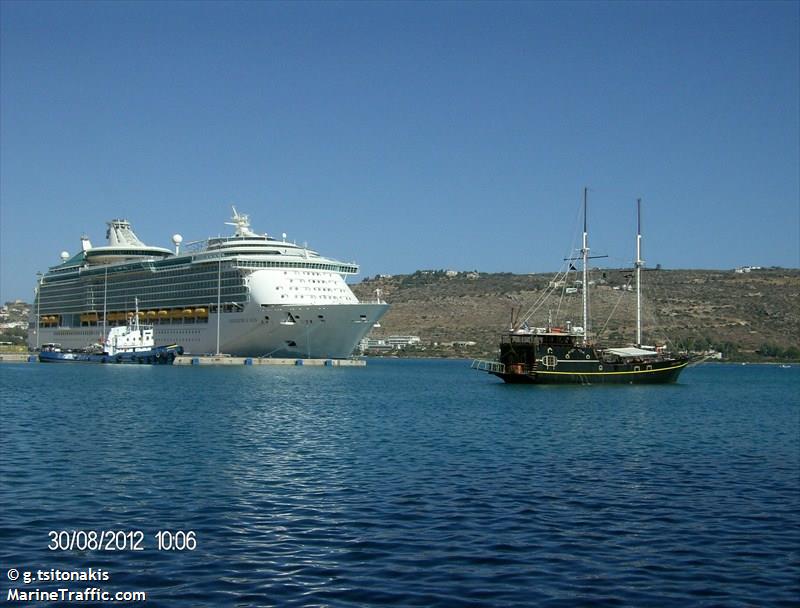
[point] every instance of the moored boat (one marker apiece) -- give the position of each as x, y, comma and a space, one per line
131, 343
570, 355
245, 294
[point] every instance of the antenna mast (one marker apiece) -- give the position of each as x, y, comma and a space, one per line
105, 308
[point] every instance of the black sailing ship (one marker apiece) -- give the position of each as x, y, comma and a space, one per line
554, 355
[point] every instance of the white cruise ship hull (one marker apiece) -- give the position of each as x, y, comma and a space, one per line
327, 332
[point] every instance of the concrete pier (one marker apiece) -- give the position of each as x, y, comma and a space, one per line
19, 358
216, 360
225, 360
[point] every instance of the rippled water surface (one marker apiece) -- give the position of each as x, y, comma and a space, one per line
409, 483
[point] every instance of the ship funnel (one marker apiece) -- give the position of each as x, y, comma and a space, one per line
120, 233
86, 244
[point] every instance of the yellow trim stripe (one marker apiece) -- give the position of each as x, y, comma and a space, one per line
641, 371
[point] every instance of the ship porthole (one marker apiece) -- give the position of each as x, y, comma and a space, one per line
587, 356
566, 356
636, 368
599, 368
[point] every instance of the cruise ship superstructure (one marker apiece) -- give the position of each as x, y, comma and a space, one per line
248, 295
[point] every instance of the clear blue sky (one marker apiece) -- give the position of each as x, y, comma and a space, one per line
404, 135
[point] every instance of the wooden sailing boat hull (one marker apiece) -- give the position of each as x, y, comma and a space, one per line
553, 355
657, 372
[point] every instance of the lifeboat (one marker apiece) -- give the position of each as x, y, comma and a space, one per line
201, 313
187, 312
150, 314
176, 314
163, 314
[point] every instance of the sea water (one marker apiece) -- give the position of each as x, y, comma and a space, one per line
407, 483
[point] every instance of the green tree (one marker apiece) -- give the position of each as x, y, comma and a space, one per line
770, 350
793, 353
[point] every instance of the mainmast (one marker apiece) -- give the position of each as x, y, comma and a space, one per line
639, 263
585, 290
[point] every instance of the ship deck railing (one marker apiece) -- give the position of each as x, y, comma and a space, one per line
482, 365
508, 338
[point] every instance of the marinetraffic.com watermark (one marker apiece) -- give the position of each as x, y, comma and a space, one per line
78, 586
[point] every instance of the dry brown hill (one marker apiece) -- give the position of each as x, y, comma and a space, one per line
743, 315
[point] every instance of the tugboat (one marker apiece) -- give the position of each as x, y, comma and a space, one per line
131, 343
555, 355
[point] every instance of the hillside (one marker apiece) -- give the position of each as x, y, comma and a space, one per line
747, 316
744, 315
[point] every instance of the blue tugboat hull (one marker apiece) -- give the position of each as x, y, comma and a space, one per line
160, 355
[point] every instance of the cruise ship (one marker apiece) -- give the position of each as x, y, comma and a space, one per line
247, 294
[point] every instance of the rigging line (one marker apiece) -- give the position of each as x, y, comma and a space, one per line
614, 309
563, 292
540, 300
565, 269
548, 293
652, 315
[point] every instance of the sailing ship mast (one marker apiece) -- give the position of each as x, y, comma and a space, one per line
639, 263
585, 290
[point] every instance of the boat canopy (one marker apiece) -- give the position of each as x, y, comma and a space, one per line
632, 351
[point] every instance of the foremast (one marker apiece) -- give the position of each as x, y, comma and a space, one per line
585, 254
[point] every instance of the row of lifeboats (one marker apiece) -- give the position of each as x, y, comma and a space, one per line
145, 316
161, 315
149, 315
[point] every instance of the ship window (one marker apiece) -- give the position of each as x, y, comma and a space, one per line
636, 368
599, 368
649, 367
